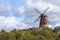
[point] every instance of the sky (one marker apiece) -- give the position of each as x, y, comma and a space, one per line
20, 14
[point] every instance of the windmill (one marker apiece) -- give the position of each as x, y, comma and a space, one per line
43, 20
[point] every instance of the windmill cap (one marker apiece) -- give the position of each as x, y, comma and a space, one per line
43, 15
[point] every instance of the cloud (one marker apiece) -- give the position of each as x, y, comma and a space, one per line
9, 8
56, 2
5, 9
40, 5
11, 23
19, 11
30, 14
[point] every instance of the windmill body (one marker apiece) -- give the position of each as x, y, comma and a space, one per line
42, 17
43, 20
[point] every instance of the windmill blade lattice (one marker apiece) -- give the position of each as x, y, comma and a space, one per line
37, 19
45, 10
36, 10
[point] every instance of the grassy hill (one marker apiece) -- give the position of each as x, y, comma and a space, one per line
43, 33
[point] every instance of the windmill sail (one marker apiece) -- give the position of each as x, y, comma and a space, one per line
36, 10
45, 10
37, 19
42, 17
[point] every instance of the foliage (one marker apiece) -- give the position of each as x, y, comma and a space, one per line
43, 33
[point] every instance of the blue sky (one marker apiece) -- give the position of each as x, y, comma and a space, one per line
20, 14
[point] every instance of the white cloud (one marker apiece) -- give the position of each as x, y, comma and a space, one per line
41, 6
5, 9
54, 8
9, 8
28, 9
20, 11
56, 2
11, 23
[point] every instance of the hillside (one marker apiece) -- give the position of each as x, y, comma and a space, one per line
43, 33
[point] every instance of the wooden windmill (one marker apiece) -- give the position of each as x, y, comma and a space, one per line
43, 20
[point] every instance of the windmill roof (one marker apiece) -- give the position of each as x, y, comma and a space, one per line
43, 15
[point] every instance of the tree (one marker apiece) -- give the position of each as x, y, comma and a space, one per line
3, 36
3, 30
10, 36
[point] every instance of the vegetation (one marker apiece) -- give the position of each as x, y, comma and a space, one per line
43, 33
